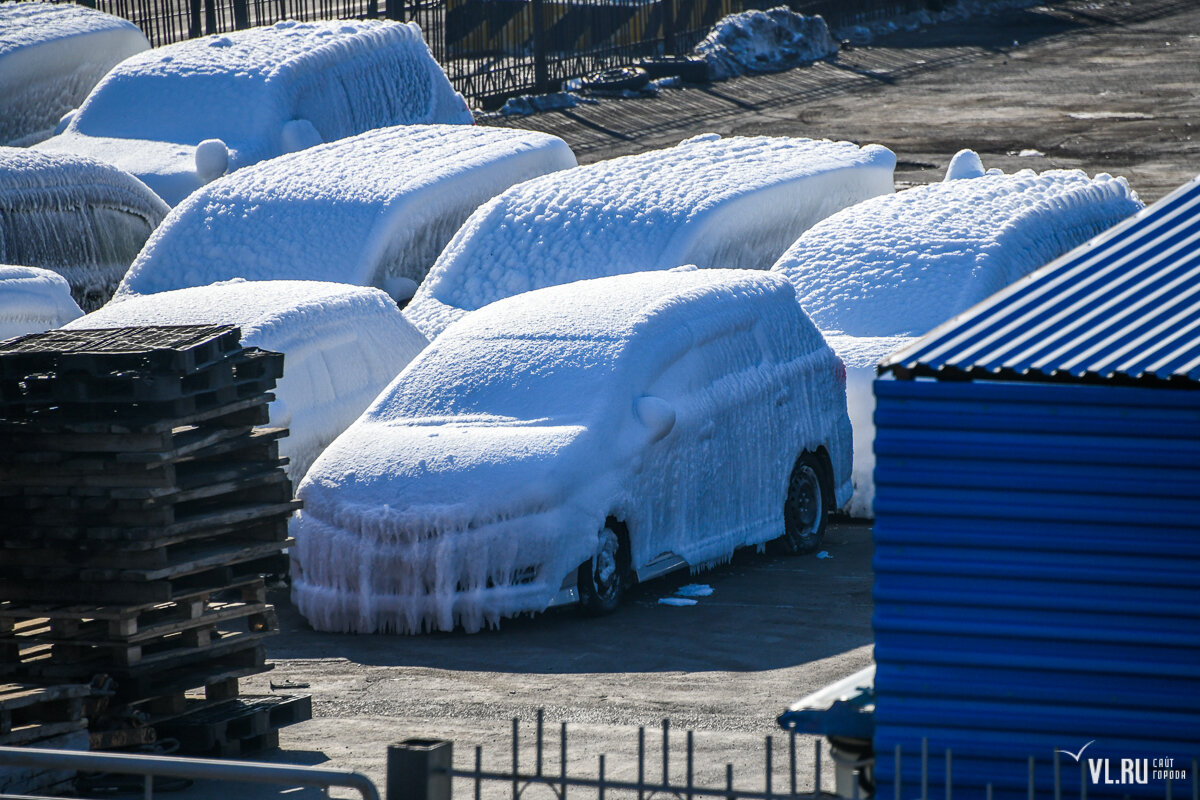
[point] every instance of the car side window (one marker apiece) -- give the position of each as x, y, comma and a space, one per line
703, 366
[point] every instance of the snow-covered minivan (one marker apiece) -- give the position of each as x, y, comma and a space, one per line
560, 444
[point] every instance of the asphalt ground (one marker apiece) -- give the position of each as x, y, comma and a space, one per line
1103, 86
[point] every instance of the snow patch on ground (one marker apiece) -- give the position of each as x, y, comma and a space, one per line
82, 218
33, 300
676, 601
51, 55
712, 202
694, 590
371, 210
764, 41
341, 344
483, 474
526, 104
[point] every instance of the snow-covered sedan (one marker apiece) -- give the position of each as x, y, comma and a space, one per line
560, 444
182, 115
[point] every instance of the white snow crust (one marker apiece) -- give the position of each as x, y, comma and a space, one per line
51, 55
82, 218
480, 478
341, 344
713, 202
764, 41
879, 274
367, 210
903, 264
243, 88
33, 300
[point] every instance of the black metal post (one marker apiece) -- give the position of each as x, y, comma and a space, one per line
541, 70
419, 769
210, 17
668, 26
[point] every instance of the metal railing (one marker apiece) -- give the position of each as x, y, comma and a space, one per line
151, 767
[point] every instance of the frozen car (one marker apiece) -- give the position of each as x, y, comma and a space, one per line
558, 445
877, 275
373, 209
181, 115
82, 218
712, 202
51, 55
341, 344
33, 300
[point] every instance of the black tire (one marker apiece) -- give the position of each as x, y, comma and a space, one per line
603, 579
616, 80
805, 511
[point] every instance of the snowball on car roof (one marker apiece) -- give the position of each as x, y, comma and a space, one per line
903, 264
367, 210
51, 55
341, 345
82, 218
33, 300
735, 202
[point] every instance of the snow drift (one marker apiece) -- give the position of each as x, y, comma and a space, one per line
51, 56
876, 275
82, 218
373, 210
764, 41
341, 345
33, 300
675, 401
256, 94
709, 201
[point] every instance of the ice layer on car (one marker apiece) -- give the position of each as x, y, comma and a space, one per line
341, 345
481, 477
874, 276
373, 209
712, 202
33, 300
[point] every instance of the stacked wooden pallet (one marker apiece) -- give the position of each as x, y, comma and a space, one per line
41, 716
142, 505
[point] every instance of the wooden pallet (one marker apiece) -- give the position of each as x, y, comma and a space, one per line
105, 436
24, 781
29, 712
233, 727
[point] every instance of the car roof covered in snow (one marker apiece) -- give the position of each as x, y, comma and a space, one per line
902, 264
735, 202
388, 199
35, 181
27, 24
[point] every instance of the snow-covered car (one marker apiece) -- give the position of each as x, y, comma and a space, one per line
879, 274
341, 345
51, 55
711, 202
372, 210
82, 218
33, 300
558, 445
182, 115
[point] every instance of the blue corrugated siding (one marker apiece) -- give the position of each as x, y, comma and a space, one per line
1037, 579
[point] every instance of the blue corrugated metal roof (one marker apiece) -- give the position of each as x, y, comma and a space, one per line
1123, 307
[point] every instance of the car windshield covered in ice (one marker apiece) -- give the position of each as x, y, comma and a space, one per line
181, 115
559, 445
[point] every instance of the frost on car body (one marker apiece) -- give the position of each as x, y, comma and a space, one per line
51, 55
33, 300
713, 202
874, 276
373, 209
82, 218
674, 402
341, 344
181, 115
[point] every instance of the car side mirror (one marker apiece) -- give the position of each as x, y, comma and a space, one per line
64, 121
299, 134
212, 159
656, 414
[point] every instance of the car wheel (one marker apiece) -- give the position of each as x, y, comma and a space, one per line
804, 511
603, 578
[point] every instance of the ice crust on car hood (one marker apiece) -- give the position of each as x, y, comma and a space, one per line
33, 300
243, 87
713, 202
341, 345
364, 210
51, 55
903, 264
481, 476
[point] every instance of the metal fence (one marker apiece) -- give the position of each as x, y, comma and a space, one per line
493, 49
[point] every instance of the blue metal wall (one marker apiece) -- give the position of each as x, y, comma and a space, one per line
1037, 580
